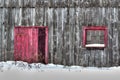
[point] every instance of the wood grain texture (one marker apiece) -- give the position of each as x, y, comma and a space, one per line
30, 44
65, 20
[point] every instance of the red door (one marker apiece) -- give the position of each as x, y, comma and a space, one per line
31, 44
25, 44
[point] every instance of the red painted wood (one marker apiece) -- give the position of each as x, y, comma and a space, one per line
84, 36
105, 37
104, 28
46, 48
95, 28
28, 44
41, 45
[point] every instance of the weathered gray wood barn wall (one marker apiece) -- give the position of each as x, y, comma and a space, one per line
65, 19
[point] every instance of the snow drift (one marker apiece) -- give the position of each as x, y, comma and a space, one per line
24, 66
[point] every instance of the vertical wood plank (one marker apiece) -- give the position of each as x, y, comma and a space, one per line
28, 16
119, 34
64, 20
59, 34
39, 16
6, 30
50, 41
81, 19
110, 37
1, 33
54, 36
1, 3
77, 34
71, 37
115, 37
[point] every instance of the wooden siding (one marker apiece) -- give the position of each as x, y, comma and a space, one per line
65, 19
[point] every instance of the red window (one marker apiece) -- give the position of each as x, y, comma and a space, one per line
95, 36
31, 44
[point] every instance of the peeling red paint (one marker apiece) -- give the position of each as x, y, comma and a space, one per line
103, 28
27, 44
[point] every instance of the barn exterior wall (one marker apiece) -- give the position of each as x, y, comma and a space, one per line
65, 20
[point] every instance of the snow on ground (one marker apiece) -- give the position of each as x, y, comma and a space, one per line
24, 66
19, 70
